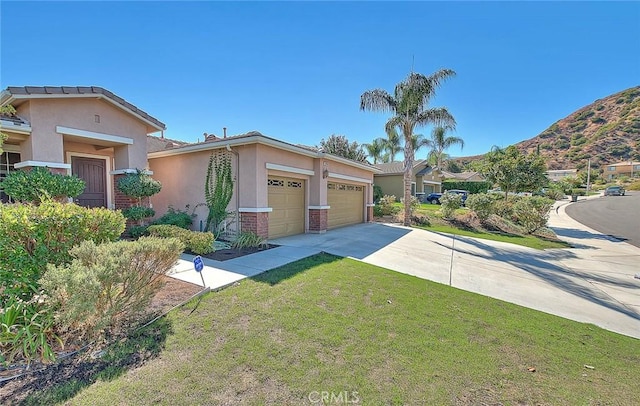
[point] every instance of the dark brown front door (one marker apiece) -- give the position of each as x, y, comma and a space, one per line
94, 173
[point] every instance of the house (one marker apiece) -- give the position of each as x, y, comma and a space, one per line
556, 175
391, 178
467, 176
86, 131
280, 189
627, 168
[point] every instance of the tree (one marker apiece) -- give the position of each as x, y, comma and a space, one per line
409, 106
340, 145
393, 144
376, 150
440, 142
513, 171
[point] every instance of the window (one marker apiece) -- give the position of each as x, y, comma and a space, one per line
611, 168
7, 162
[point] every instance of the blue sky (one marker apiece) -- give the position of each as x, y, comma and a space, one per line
295, 70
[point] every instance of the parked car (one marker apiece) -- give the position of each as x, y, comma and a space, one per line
434, 198
614, 191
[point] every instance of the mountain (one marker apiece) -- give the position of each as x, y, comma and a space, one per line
607, 131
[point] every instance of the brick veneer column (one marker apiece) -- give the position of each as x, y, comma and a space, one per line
255, 222
318, 220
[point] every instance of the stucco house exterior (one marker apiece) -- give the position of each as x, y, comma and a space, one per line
391, 178
82, 130
280, 189
556, 175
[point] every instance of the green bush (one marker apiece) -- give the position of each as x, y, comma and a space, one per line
107, 287
386, 206
136, 232
377, 193
198, 242
39, 184
26, 332
32, 236
138, 212
532, 213
248, 239
138, 185
472, 187
481, 204
450, 202
175, 217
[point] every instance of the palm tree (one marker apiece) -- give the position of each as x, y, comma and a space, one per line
376, 149
409, 106
439, 142
393, 143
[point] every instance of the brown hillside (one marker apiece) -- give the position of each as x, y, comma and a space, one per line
607, 131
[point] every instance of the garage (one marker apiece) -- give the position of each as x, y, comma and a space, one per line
347, 204
286, 200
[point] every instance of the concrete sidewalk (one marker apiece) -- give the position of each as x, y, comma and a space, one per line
592, 282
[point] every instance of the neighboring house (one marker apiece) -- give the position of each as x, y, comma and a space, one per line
627, 168
556, 175
462, 176
391, 178
86, 131
280, 189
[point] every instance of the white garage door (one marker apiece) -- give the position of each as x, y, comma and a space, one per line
347, 204
286, 199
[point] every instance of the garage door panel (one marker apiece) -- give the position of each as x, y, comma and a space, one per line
347, 204
286, 199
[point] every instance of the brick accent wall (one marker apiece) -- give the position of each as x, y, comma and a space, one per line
120, 200
255, 222
318, 220
369, 214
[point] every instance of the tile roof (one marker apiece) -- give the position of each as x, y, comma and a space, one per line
396, 167
459, 176
63, 91
160, 144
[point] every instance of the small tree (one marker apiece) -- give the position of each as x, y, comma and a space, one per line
138, 186
340, 145
218, 189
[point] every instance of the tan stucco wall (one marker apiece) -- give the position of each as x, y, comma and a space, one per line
183, 178
45, 144
391, 185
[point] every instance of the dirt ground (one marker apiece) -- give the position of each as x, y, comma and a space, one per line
80, 366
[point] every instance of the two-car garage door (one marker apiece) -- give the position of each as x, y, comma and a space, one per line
286, 198
347, 204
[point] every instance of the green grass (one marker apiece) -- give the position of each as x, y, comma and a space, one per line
366, 333
530, 241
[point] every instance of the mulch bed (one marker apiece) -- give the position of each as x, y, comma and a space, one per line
81, 366
226, 254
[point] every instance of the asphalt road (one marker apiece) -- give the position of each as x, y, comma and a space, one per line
618, 216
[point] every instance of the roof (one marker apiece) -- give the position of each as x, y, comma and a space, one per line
459, 176
255, 137
13, 119
33, 92
155, 144
625, 163
396, 167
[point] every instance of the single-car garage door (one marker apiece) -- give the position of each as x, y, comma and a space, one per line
286, 199
347, 204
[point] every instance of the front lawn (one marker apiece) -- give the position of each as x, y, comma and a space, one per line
338, 327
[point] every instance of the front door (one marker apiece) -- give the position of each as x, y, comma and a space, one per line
94, 172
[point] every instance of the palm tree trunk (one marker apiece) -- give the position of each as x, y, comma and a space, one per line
408, 175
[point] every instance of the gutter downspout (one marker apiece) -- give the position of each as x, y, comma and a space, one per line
237, 189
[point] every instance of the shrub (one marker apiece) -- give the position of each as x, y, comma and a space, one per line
450, 202
532, 213
481, 204
39, 184
386, 207
136, 232
198, 242
175, 217
32, 236
138, 212
472, 187
138, 185
377, 193
248, 239
503, 208
107, 286
414, 203
26, 331
554, 194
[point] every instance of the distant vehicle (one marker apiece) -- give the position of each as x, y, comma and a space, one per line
614, 191
434, 198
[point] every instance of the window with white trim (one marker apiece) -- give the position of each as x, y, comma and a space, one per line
7, 162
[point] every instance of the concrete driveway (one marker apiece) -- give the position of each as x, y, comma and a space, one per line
593, 282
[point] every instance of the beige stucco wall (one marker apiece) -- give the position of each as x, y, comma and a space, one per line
390, 185
183, 178
46, 144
